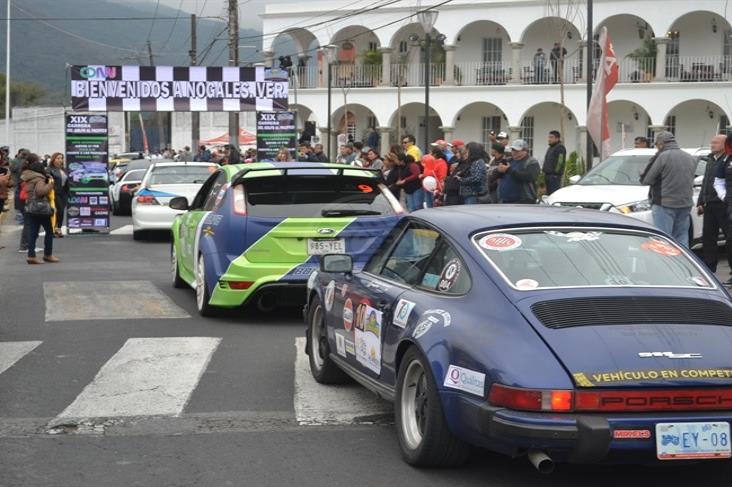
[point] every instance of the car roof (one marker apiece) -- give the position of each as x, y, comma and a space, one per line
697, 151
465, 220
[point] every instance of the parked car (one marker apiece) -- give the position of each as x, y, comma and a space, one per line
614, 185
162, 182
122, 192
254, 232
563, 334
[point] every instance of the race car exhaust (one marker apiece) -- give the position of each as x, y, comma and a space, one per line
541, 461
267, 302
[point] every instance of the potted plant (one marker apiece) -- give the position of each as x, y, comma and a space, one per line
645, 56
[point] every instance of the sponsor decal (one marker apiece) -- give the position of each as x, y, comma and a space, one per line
424, 326
344, 290
378, 286
499, 242
632, 434
329, 295
465, 380
311, 280
669, 355
449, 275
368, 340
208, 231
660, 247
340, 344
583, 379
348, 315
576, 236
350, 347
526, 284
441, 315
402, 312
326, 231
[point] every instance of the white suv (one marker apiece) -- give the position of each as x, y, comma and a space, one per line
614, 185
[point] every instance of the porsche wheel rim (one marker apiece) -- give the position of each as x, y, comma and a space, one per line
200, 284
318, 341
414, 405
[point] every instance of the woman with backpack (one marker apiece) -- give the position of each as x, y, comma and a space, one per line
38, 208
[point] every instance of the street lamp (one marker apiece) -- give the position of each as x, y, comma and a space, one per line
329, 51
427, 18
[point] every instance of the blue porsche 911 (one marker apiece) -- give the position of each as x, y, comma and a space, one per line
563, 334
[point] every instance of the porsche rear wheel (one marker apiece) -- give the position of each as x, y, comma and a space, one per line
202, 293
424, 437
178, 282
324, 370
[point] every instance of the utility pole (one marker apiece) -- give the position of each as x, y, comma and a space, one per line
195, 116
590, 52
234, 61
7, 79
150, 54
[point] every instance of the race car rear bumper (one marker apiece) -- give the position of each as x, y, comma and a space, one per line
573, 438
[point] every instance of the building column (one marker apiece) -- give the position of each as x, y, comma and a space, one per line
386, 65
449, 65
516, 63
582, 45
268, 57
384, 133
514, 133
661, 43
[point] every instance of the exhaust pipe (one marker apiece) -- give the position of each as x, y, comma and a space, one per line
541, 461
267, 302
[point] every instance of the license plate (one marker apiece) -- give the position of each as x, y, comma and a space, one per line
683, 441
322, 246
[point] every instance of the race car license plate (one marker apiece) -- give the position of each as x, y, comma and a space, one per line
322, 246
683, 441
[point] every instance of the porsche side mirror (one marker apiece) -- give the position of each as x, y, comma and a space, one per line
179, 203
575, 179
336, 263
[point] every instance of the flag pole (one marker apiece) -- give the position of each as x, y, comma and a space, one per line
590, 51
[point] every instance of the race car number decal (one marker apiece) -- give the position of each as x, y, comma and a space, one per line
449, 275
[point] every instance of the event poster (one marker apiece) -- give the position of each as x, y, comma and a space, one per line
86, 165
275, 130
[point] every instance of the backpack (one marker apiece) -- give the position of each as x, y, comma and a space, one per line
23, 192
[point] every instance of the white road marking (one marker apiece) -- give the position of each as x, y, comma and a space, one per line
108, 300
11, 352
146, 377
318, 404
123, 230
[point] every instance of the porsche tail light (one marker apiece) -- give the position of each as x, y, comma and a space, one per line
147, 200
239, 285
531, 399
240, 201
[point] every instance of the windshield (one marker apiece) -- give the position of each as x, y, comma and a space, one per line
135, 175
182, 174
566, 257
624, 170
317, 196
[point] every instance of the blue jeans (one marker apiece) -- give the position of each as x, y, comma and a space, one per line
35, 223
673, 221
414, 200
470, 200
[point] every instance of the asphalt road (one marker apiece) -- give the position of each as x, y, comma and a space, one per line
109, 377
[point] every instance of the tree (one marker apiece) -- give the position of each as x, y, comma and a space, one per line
22, 94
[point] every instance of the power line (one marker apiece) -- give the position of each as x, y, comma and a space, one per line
172, 29
97, 19
152, 24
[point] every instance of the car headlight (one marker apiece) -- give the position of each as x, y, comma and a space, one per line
644, 205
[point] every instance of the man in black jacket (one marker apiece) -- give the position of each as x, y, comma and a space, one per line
713, 209
554, 162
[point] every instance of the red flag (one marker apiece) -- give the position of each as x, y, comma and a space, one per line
606, 79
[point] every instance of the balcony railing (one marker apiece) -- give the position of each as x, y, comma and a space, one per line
678, 68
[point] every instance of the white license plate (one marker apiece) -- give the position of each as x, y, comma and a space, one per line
683, 441
322, 246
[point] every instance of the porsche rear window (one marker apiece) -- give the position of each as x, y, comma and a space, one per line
566, 257
309, 195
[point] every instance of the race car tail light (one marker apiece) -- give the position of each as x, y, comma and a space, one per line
147, 200
630, 400
240, 285
531, 399
240, 201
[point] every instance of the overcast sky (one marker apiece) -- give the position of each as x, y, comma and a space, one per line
218, 7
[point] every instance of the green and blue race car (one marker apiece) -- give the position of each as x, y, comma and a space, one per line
254, 232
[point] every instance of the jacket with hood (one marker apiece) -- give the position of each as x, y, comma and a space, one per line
671, 176
36, 183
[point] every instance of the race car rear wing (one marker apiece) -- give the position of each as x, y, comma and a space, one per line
298, 166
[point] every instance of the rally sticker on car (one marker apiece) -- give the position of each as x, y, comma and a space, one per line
465, 380
499, 242
368, 340
402, 312
660, 247
329, 295
348, 315
449, 275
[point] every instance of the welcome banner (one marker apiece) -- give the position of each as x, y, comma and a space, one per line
177, 89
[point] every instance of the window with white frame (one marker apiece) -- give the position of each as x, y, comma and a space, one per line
403, 47
671, 124
489, 124
372, 122
372, 46
723, 124
527, 132
492, 50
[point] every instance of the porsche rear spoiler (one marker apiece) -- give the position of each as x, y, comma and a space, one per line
296, 166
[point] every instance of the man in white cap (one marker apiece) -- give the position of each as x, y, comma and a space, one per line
502, 138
